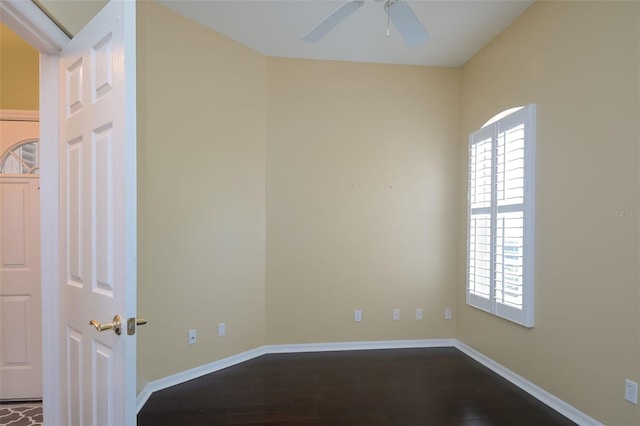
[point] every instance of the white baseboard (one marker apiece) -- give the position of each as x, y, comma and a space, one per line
194, 373
545, 397
358, 346
537, 392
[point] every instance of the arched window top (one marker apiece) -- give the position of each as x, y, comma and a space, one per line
22, 158
501, 115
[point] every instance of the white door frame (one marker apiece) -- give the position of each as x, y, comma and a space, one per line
35, 27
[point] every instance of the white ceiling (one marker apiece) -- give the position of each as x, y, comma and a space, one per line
457, 29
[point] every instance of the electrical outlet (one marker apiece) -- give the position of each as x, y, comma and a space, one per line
631, 391
396, 314
222, 329
448, 313
357, 315
418, 314
192, 337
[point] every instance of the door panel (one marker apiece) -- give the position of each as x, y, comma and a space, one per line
20, 325
96, 214
103, 206
15, 241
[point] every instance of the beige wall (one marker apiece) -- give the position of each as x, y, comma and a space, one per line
13, 132
201, 222
579, 62
360, 208
19, 72
361, 160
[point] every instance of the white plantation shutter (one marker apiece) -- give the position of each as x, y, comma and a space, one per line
480, 222
500, 245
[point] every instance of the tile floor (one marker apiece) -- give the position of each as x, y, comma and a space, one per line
21, 414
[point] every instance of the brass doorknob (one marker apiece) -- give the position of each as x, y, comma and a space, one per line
115, 325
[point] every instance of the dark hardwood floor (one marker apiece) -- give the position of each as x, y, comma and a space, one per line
398, 387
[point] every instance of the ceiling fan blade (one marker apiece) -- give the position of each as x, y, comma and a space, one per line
330, 22
407, 23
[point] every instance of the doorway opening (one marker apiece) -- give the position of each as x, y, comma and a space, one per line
30, 24
20, 272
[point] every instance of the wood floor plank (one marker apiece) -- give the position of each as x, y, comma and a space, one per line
391, 387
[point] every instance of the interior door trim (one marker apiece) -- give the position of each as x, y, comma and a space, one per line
33, 25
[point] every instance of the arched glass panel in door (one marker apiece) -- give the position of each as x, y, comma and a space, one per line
22, 158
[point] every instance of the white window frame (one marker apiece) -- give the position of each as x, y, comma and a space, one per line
490, 303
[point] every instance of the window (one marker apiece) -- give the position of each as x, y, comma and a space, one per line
500, 237
22, 158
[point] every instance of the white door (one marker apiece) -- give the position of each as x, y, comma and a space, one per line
97, 182
20, 325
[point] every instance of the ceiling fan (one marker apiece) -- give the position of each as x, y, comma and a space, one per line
397, 11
